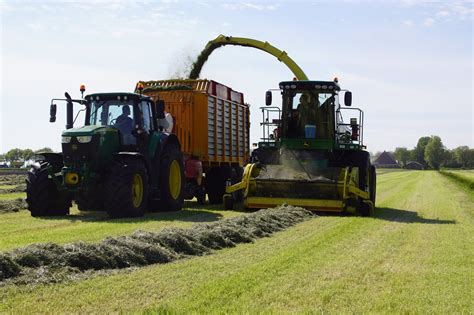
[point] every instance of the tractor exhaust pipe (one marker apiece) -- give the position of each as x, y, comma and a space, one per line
69, 112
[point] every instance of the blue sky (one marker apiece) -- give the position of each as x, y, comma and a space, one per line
408, 63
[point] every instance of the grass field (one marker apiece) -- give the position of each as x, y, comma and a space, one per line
415, 256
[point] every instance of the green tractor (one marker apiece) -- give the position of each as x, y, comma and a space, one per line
121, 160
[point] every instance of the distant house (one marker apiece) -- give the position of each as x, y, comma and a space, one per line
386, 160
414, 165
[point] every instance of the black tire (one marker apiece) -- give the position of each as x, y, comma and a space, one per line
228, 202
90, 201
42, 195
171, 185
215, 183
373, 184
201, 196
363, 209
122, 198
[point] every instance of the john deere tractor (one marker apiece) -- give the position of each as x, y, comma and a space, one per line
121, 160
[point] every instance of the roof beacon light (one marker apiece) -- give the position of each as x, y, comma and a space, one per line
140, 87
82, 89
336, 80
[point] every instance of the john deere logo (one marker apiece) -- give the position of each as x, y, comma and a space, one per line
74, 146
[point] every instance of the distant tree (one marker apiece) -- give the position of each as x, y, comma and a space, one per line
46, 149
461, 154
418, 153
434, 152
402, 155
471, 158
27, 154
449, 160
14, 155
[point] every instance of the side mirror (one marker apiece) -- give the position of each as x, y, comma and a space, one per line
268, 98
160, 109
52, 113
348, 98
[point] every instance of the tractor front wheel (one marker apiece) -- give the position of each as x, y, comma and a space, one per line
126, 189
42, 195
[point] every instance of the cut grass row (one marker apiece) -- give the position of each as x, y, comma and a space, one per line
414, 256
463, 178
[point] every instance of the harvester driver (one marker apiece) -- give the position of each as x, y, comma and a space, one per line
306, 113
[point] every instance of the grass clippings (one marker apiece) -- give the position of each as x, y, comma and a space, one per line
12, 205
43, 263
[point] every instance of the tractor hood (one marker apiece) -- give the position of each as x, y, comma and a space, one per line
88, 130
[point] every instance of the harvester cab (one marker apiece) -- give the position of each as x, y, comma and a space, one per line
121, 160
309, 155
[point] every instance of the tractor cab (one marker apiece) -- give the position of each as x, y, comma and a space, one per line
311, 117
130, 114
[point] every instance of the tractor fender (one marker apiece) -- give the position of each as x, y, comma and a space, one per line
165, 140
54, 159
137, 156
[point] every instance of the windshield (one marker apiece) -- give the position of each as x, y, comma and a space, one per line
310, 114
111, 112
116, 114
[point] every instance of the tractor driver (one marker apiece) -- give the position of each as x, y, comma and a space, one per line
124, 123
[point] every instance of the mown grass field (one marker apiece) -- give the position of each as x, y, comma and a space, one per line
415, 256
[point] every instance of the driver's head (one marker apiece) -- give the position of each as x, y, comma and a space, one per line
304, 99
126, 110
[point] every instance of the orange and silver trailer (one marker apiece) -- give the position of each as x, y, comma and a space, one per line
211, 121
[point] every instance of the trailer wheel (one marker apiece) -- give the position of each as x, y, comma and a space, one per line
42, 195
126, 189
171, 179
215, 183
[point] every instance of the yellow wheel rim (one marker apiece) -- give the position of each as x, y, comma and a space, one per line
137, 190
174, 179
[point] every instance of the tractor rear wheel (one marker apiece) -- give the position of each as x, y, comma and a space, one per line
126, 189
171, 179
42, 195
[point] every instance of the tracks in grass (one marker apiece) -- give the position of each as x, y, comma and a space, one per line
414, 256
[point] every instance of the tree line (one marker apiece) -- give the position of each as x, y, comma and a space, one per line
16, 156
431, 153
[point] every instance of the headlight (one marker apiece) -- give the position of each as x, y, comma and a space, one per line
84, 139
65, 139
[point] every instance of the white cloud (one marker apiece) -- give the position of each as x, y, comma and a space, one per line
428, 22
249, 6
442, 13
34, 27
408, 23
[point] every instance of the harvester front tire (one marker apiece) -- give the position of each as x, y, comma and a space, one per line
373, 184
172, 179
42, 195
126, 189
